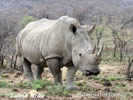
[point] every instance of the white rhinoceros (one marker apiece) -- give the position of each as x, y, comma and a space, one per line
57, 43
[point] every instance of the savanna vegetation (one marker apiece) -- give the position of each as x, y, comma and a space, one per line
114, 27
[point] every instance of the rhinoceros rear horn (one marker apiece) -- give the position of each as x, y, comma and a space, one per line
91, 29
73, 28
100, 50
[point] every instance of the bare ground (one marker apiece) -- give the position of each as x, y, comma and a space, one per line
111, 84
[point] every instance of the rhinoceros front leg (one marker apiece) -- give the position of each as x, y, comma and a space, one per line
70, 77
39, 71
27, 69
55, 68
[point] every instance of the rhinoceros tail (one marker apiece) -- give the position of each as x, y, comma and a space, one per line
18, 51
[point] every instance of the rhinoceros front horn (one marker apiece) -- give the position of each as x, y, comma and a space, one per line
100, 51
94, 49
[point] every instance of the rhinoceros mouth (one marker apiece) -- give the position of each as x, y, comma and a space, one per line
89, 73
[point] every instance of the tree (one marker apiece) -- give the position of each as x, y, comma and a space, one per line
99, 33
120, 40
129, 73
80, 13
7, 29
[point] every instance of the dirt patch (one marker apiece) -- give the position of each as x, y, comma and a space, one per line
111, 81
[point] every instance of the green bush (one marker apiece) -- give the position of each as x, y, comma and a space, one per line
4, 84
25, 20
111, 78
57, 90
119, 84
36, 85
5, 75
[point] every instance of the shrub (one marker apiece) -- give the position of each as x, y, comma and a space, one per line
57, 90
4, 84
25, 20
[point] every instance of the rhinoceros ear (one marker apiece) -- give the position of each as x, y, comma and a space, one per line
73, 28
90, 28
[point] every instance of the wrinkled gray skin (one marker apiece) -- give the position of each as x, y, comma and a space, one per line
57, 43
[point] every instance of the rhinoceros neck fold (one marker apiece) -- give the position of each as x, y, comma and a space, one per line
57, 43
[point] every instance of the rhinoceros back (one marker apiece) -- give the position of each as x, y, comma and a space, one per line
29, 40
47, 38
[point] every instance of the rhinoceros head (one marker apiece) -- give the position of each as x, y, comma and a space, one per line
83, 54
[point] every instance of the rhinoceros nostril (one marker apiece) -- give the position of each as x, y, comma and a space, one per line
87, 72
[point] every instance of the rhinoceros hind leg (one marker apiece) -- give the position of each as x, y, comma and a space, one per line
27, 70
39, 71
70, 77
55, 69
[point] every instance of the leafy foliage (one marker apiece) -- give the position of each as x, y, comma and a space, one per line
4, 75
120, 84
57, 89
39, 84
36, 85
111, 78
25, 20
4, 84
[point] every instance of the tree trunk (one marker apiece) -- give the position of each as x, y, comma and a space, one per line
11, 64
121, 53
15, 62
114, 54
130, 61
1, 61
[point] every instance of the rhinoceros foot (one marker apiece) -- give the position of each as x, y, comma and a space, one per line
69, 88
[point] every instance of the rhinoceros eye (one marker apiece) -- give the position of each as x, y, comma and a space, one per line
80, 54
